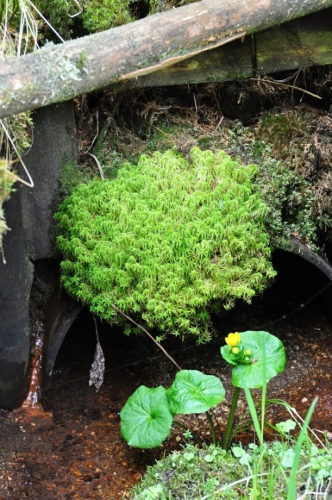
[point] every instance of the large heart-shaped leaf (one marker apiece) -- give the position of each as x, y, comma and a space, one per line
146, 419
273, 362
194, 392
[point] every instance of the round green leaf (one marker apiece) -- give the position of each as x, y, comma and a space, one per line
275, 359
146, 419
194, 392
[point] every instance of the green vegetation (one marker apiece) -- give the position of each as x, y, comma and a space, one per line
256, 357
294, 178
94, 15
7, 180
100, 15
59, 15
285, 131
147, 417
69, 178
167, 240
252, 473
291, 200
14, 131
287, 468
291, 147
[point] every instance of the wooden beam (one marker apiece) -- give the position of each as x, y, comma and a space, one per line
300, 43
61, 72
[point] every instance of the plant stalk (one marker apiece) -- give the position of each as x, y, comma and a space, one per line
213, 432
148, 334
230, 421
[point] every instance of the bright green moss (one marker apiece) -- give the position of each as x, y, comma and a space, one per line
100, 15
166, 240
7, 180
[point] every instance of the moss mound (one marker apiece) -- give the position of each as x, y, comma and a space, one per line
256, 472
166, 241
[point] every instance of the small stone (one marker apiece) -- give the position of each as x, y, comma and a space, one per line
137, 476
304, 400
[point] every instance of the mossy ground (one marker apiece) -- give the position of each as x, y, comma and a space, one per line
254, 473
290, 144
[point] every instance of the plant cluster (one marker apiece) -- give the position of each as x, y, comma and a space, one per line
94, 15
69, 178
17, 36
60, 17
256, 472
296, 152
287, 468
6, 187
286, 131
293, 177
291, 200
167, 240
147, 417
100, 15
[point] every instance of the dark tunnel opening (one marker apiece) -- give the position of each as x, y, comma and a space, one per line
300, 295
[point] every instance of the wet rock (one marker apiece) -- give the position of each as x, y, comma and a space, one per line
30, 216
15, 284
60, 312
54, 144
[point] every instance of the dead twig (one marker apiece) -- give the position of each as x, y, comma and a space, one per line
148, 334
280, 84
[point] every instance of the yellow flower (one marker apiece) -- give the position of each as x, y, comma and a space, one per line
233, 339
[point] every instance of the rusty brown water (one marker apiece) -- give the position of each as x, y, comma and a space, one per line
82, 455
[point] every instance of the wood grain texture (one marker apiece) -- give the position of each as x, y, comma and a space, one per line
300, 43
60, 72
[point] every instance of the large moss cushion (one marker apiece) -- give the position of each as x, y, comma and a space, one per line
166, 241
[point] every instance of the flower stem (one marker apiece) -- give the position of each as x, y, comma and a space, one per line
230, 421
213, 433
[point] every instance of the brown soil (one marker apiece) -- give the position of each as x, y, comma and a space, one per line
80, 453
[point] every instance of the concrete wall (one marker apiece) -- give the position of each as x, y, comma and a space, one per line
29, 214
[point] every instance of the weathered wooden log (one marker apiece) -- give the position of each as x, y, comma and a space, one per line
61, 72
300, 43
